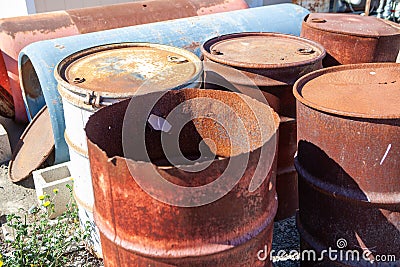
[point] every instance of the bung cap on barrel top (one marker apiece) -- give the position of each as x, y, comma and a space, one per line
370, 90
351, 24
120, 69
262, 50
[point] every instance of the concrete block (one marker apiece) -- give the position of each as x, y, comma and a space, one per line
5, 148
55, 177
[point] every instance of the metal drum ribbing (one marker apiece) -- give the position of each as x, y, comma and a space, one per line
18, 32
100, 76
138, 229
348, 159
269, 62
37, 60
351, 39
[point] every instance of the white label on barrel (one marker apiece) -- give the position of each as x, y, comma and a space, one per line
159, 123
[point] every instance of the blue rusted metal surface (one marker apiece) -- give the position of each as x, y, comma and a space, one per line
18, 32
37, 61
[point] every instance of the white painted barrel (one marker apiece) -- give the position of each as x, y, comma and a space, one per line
100, 76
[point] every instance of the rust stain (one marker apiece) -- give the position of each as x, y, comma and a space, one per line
37, 23
208, 7
374, 85
275, 66
129, 14
193, 46
121, 70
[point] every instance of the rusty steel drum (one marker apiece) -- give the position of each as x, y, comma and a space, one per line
99, 76
138, 229
18, 32
351, 39
348, 132
270, 62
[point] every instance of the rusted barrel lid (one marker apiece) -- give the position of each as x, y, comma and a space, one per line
35, 147
370, 90
119, 70
261, 50
350, 24
280, 57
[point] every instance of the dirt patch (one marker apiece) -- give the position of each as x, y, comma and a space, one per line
19, 198
15, 196
287, 239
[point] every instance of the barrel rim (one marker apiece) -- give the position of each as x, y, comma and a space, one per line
356, 34
206, 46
298, 86
76, 99
80, 92
275, 122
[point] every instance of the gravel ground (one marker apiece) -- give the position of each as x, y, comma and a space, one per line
286, 239
15, 196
